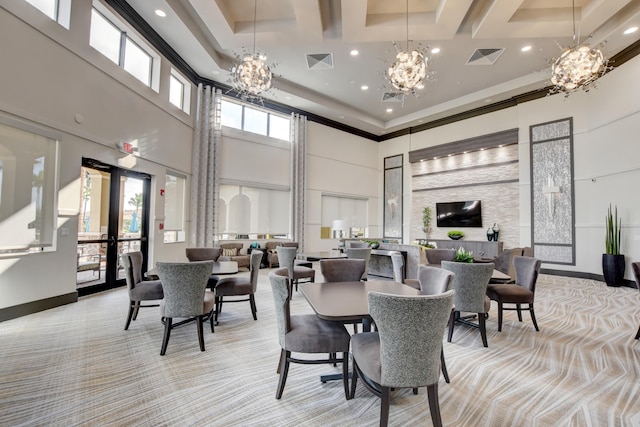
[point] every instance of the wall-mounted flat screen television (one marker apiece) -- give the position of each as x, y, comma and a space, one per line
459, 214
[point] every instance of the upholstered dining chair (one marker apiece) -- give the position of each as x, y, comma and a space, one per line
523, 291
205, 254
635, 266
360, 253
436, 256
405, 351
397, 262
433, 281
287, 260
306, 333
240, 286
139, 290
356, 244
185, 296
342, 269
470, 282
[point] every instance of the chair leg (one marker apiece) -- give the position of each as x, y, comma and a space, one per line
218, 307
129, 316
535, 324
199, 320
638, 334
345, 374
499, 317
167, 331
443, 366
415, 390
384, 406
452, 322
519, 309
434, 405
483, 328
211, 315
136, 309
284, 370
354, 379
252, 301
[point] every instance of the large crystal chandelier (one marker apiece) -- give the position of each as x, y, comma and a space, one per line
578, 67
410, 68
252, 76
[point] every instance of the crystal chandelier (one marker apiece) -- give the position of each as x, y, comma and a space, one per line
410, 68
578, 67
252, 76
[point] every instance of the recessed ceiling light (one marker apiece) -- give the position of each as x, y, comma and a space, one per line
526, 48
389, 110
161, 13
435, 50
464, 152
420, 86
364, 87
354, 52
630, 30
435, 158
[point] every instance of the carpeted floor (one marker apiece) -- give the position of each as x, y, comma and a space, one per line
76, 366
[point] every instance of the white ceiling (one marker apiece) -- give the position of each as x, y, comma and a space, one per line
208, 34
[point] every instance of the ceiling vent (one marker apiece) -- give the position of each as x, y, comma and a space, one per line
393, 97
485, 56
319, 61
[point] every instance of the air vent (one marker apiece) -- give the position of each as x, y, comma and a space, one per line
393, 97
485, 56
319, 61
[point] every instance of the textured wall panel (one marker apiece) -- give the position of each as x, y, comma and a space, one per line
563, 254
471, 159
393, 197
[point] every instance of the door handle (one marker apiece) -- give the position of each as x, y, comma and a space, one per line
112, 240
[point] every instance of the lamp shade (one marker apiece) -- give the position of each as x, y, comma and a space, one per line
338, 225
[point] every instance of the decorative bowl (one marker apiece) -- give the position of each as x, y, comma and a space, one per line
455, 237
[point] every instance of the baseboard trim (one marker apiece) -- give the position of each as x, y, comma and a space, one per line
581, 275
37, 306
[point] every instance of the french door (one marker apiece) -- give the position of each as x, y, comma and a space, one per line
113, 219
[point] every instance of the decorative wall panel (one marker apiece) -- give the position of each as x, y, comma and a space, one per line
552, 201
393, 172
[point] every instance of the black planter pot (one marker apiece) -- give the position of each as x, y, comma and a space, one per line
613, 269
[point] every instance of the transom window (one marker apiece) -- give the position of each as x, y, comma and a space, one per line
109, 38
58, 10
179, 91
254, 120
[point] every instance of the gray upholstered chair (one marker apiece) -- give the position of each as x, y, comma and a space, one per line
240, 286
233, 252
436, 256
272, 254
357, 244
360, 253
523, 291
504, 263
397, 261
185, 296
306, 333
342, 270
470, 283
406, 349
635, 266
205, 254
139, 289
295, 273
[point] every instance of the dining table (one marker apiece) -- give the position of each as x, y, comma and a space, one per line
220, 268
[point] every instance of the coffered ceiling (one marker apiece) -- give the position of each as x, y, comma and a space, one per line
480, 59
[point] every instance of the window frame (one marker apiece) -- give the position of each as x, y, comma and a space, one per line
185, 97
263, 110
61, 11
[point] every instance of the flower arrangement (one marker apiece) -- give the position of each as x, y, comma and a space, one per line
462, 255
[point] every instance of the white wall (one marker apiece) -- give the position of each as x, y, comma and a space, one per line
606, 159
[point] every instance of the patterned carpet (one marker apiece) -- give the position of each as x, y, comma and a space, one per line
76, 366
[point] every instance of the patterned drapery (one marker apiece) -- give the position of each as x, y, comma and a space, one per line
205, 183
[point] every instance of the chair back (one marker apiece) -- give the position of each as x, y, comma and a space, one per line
397, 261
411, 330
287, 258
470, 282
342, 270
358, 245
132, 262
203, 254
434, 280
526, 270
184, 285
291, 244
436, 256
361, 253
281, 296
254, 268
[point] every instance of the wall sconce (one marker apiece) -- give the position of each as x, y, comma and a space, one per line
552, 191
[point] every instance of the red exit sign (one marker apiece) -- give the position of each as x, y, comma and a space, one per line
126, 147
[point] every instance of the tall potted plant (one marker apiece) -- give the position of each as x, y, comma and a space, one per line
612, 261
426, 221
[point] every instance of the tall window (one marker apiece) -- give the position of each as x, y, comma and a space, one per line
58, 10
255, 120
28, 188
250, 213
179, 91
174, 199
109, 38
349, 214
